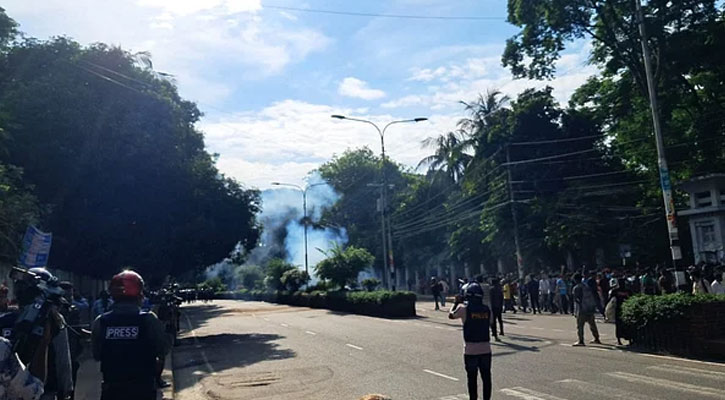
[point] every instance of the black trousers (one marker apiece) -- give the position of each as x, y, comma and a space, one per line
497, 316
535, 303
475, 364
128, 391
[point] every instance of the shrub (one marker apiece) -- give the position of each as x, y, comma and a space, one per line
342, 266
275, 268
641, 311
294, 279
251, 276
370, 284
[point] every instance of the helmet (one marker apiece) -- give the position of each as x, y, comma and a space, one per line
127, 284
42, 273
473, 289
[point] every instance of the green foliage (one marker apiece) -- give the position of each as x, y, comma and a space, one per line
294, 279
215, 284
250, 276
642, 311
112, 150
342, 266
370, 284
275, 269
18, 209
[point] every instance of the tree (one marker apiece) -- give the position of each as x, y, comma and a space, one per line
342, 266
450, 155
294, 279
251, 276
370, 284
113, 151
275, 270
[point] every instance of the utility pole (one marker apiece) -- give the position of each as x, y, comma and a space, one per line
519, 259
665, 183
387, 244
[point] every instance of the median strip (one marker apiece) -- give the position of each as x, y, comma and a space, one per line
441, 375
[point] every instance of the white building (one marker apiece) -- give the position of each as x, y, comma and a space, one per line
706, 216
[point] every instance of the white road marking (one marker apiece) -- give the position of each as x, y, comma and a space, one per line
600, 349
537, 328
455, 397
285, 325
198, 346
682, 359
558, 330
353, 346
441, 375
603, 391
689, 371
310, 333
528, 394
665, 383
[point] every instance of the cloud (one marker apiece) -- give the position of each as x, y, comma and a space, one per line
186, 7
286, 140
353, 87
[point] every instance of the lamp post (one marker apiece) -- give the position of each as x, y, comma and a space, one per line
304, 210
387, 249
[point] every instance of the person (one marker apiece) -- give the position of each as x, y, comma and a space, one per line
533, 288
59, 382
620, 294
508, 297
435, 288
552, 294
585, 306
128, 342
716, 287
497, 306
102, 305
476, 318
444, 291
562, 292
699, 286
603, 288
72, 314
18, 382
665, 282
544, 292
4, 301
649, 285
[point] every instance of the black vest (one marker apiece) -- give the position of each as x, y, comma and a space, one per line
7, 323
127, 350
478, 321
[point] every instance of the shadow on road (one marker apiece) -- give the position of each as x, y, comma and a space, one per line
219, 352
202, 312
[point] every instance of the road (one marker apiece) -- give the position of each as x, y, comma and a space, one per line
254, 350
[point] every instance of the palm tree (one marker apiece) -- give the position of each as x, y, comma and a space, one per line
477, 125
450, 155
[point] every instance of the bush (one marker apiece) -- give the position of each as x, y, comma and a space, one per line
642, 311
294, 279
275, 268
370, 284
342, 266
380, 303
251, 276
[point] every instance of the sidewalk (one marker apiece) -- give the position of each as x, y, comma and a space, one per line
88, 386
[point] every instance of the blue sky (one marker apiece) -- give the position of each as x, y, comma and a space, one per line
268, 79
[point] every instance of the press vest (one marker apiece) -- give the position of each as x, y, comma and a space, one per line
478, 321
127, 351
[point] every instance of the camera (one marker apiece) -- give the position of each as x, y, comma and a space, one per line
37, 292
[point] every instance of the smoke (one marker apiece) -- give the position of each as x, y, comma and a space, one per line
283, 229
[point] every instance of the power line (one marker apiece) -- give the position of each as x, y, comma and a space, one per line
377, 15
555, 140
440, 224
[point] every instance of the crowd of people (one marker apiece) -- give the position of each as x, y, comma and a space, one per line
47, 325
604, 291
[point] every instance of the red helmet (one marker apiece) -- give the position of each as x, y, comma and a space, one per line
127, 284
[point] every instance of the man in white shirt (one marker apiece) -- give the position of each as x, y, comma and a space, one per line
544, 292
716, 287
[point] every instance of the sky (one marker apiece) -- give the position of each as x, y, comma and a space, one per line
268, 78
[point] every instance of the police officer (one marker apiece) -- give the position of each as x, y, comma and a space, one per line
476, 318
128, 342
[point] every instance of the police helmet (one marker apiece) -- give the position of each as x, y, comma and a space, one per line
473, 290
126, 285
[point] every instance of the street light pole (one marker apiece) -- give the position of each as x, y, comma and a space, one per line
665, 183
388, 260
304, 211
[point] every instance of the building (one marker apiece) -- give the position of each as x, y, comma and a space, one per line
706, 216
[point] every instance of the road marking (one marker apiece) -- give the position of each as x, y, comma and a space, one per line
558, 330
688, 371
600, 348
528, 394
285, 325
455, 397
310, 333
441, 375
603, 391
266, 319
353, 346
198, 346
682, 359
537, 328
683, 387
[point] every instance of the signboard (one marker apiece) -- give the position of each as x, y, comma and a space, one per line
36, 248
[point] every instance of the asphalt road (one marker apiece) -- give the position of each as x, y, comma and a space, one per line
254, 350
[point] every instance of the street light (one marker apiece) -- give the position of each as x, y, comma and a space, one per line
381, 132
304, 209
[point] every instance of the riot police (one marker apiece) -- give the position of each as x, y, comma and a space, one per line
128, 342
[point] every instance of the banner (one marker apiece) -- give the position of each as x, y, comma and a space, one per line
36, 248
